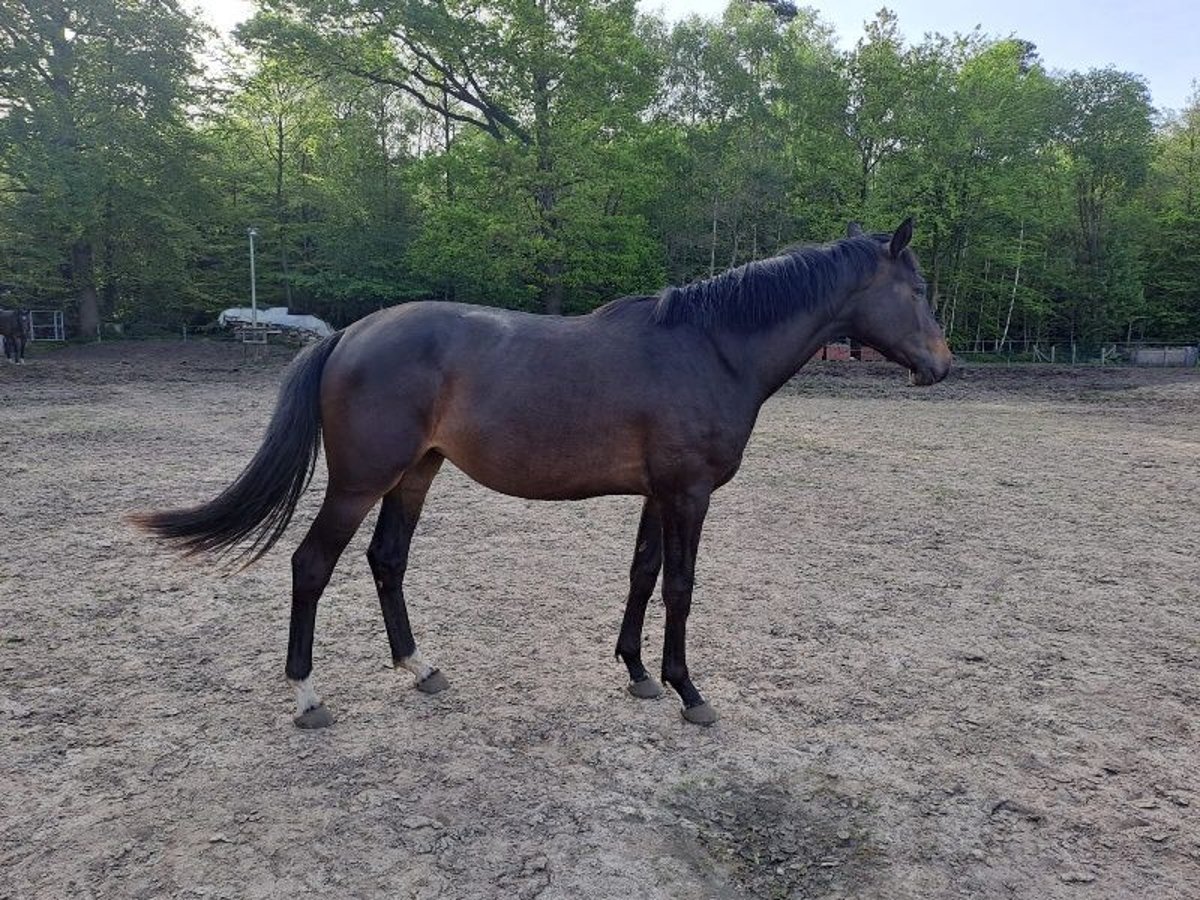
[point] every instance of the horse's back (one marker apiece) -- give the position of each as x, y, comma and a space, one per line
491, 347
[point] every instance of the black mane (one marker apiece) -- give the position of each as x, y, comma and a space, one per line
760, 294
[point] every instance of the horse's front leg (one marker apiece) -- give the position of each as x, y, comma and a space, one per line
682, 521
643, 575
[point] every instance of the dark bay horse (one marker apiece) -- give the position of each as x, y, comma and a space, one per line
15, 332
652, 396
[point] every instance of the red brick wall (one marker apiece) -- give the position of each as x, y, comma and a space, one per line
835, 352
842, 353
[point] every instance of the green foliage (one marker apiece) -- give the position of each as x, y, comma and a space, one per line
95, 155
1168, 245
550, 155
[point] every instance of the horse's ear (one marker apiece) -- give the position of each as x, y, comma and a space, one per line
854, 230
901, 238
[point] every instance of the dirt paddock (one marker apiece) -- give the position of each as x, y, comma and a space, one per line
952, 634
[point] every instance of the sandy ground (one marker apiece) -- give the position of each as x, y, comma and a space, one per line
952, 634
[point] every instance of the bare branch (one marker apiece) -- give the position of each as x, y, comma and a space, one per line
379, 78
472, 95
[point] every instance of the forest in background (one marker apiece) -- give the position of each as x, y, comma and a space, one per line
550, 155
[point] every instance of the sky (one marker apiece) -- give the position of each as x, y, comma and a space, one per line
1158, 39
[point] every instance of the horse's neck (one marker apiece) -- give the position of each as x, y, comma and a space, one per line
771, 357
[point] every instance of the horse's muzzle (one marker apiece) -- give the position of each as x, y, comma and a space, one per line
931, 373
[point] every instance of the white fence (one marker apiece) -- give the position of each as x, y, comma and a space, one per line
1135, 353
1164, 356
47, 325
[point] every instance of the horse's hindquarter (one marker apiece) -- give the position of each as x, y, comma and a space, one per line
540, 407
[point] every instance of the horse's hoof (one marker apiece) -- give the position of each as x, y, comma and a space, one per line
433, 683
317, 717
700, 714
646, 689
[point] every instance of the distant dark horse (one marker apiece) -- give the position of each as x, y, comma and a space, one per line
653, 396
15, 330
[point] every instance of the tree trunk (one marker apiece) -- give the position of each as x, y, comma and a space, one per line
733, 251
935, 282
447, 137
1190, 178
61, 68
448, 290
550, 265
1012, 300
712, 247
109, 274
864, 186
951, 315
84, 280
280, 213
987, 266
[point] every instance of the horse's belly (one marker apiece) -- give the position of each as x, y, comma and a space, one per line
541, 464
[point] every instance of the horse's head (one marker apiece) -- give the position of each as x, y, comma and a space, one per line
891, 313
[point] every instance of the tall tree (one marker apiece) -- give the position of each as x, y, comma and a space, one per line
94, 141
558, 80
881, 99
757, 107
1171, 251
1107, 132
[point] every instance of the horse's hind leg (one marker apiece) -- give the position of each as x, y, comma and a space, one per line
388, 556
643, 575
312, 564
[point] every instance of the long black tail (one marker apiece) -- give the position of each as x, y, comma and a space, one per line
256, 508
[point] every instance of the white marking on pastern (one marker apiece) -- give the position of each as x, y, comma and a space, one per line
306, 695
420, 669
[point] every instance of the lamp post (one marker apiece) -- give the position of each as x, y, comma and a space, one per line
253, 296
